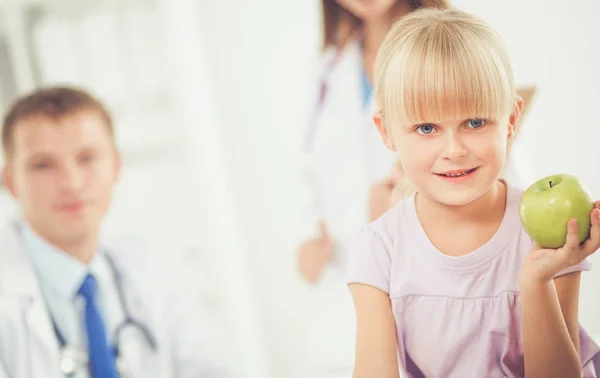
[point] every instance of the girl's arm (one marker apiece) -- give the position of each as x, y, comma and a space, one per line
376, 350
551, 326
567, 289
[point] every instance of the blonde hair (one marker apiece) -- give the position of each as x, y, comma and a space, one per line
442, 64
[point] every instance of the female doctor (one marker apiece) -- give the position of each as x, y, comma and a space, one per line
69, 306
344, 161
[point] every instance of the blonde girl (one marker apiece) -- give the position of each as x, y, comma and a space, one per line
447, 283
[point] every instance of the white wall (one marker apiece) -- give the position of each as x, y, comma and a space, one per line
261, 53
262, 58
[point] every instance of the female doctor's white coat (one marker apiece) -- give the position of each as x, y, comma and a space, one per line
343, 156
29, 346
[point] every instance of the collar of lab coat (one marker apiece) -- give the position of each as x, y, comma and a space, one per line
17, 277
19, 286
344, 79
343, 102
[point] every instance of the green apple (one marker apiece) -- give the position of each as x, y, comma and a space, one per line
547, 206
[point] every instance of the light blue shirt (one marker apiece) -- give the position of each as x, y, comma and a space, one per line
367, 88
60, 277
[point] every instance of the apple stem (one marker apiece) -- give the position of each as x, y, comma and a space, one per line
551, 184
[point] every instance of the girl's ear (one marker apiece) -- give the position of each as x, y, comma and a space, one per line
515, 117
383, 131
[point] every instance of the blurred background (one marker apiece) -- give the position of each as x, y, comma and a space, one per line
211, 100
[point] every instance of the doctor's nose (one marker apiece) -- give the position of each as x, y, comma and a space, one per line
71, 177
454, 149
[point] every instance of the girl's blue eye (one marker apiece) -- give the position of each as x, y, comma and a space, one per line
476, 123
425, 129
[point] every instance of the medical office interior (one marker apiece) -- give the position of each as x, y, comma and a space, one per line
211, 101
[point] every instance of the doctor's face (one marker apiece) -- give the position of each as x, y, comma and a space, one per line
369, 9
62, 173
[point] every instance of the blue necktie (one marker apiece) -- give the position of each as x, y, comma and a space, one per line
101, 358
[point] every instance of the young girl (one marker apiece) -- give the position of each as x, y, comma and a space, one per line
447, 284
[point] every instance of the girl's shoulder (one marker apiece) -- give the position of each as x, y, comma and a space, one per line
374, 250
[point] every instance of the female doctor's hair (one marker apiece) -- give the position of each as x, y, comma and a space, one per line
52, 103
441, 64
339, 25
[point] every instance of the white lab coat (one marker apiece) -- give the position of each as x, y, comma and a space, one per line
29, 347
343, 156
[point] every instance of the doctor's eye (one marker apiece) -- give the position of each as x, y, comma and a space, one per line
476, 123
41, 165
425, 129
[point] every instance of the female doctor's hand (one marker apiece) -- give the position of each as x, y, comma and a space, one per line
380, 197
385, 194
542, 265
314, 254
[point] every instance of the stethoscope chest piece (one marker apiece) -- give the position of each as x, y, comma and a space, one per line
72, 359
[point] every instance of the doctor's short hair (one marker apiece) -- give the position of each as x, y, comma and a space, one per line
340, 26
52, 103
442, 64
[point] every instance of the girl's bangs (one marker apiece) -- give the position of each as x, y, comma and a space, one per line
447, 77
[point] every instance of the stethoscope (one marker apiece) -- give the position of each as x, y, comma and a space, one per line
72, 358
323, 91
321, 98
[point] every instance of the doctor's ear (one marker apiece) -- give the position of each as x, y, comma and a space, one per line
118, 164
382, 127
7, 181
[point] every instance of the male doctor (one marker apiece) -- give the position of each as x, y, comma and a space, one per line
69, 307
